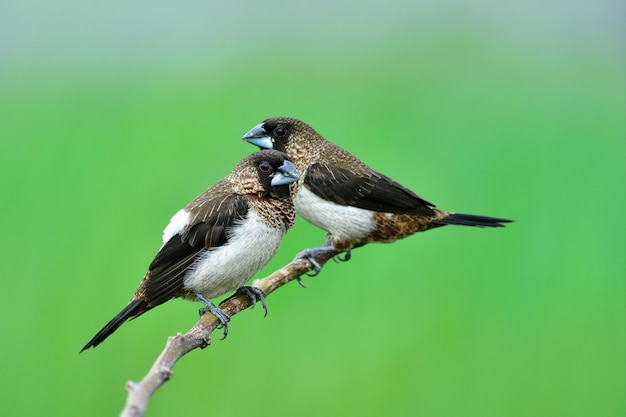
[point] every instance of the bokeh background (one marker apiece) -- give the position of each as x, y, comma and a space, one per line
113, 115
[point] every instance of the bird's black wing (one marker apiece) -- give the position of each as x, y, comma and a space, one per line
365, 189
208, 228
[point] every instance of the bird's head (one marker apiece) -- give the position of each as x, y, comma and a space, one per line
284, 134
267, 172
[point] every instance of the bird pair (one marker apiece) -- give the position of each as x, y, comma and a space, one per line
222, 238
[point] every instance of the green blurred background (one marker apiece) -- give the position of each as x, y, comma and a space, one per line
115, 115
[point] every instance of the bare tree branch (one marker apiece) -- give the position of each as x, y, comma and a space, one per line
199, 336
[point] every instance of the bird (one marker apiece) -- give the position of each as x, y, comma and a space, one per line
218, 241
352, 202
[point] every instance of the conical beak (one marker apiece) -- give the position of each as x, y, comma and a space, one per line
258, 137
287, 174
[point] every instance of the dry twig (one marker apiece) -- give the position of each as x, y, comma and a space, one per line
199, 336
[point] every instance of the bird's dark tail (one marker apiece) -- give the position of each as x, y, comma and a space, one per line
473, 220
133, 309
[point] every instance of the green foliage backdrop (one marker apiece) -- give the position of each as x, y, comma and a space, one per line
113, 117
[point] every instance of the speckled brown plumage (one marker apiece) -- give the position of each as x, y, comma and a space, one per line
341, 194
220, 239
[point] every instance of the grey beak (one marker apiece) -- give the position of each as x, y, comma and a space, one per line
287, 174
258, 137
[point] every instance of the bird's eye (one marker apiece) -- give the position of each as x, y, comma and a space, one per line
280, 131
265, 167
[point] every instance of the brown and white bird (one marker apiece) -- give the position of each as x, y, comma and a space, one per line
342, 195
219, 241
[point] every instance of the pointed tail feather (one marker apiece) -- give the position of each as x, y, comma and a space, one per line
473, 220
133, 309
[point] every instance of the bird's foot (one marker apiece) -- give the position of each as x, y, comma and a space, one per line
254, 294
345, 258
312, 253
216, 311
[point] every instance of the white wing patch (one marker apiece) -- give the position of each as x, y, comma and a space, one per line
176, 225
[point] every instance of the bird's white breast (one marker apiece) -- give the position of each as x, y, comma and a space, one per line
343, 222
221, 270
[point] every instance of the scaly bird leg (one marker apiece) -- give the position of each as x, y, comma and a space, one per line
254, 294
311, 254
216, 311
